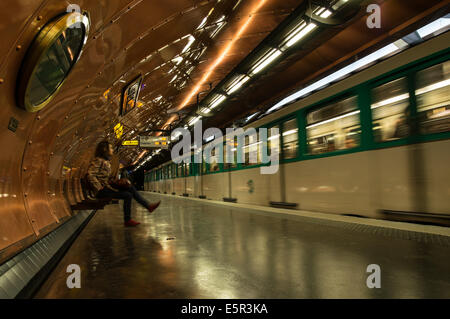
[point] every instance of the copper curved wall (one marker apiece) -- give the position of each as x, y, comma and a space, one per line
35, 158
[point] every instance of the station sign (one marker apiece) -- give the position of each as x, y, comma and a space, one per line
130, 143
154, 141
118, 129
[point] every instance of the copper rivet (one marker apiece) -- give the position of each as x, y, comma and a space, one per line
38, 117
24, 168
39, 18
18, 47
30, 142
1, 81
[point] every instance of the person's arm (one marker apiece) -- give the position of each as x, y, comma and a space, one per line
93, 168
111, 188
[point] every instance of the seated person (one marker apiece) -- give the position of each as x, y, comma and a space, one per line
104, 186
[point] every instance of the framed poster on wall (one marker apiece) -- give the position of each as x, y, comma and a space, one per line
130, 95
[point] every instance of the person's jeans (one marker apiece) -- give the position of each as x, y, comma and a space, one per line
127, 196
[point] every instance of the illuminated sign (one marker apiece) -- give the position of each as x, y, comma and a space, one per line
130, 143
105, 94
118, 129
154, 141
130, 95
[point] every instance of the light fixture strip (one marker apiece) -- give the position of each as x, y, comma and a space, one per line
237, 83
265, 60
219, 99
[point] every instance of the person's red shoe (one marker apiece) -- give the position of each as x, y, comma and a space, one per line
131, 223
154, 206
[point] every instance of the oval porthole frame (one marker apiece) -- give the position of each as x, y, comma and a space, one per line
40, 45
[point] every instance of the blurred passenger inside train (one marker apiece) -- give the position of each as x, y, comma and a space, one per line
104, 185
402, 126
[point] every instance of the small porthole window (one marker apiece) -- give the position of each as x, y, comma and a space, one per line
50, 58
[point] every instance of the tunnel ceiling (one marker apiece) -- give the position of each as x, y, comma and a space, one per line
184, 55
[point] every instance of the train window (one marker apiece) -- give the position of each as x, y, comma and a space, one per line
250, 148
50, 58
290, 139
433, 98
179, 170
390, 111
232, 144
214, 165
333, 127
273, 141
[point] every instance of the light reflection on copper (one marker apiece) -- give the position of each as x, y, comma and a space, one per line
219, 59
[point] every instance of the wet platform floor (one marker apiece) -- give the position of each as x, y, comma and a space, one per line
192, 249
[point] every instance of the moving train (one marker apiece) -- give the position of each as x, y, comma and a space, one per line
375, 144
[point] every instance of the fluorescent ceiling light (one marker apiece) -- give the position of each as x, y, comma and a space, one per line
194, 120
202, 24
237, 83
391, 100
339, 4
219, 27
300, 33
188, 45
333, 119
323, 12
216, 101
326, 14
290, 132
434, 26
251, 116
177, 61
173, 79
432, 87
383, 52
266, 60
273, 137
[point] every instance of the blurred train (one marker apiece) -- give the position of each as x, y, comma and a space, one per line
375, 144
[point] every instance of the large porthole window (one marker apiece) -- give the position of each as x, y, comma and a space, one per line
50, 58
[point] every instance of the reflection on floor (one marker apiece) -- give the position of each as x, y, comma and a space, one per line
191, 249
